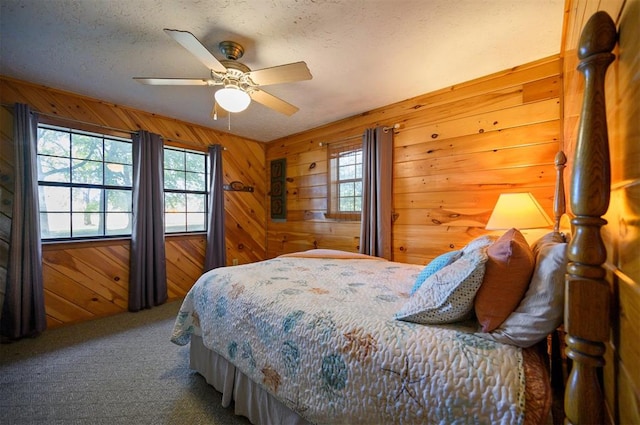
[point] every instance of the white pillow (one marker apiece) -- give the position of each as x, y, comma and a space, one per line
541, 310
447, 295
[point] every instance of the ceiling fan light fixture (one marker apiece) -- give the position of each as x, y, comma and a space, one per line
233, 99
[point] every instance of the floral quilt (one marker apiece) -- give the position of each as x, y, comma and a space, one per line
319, 334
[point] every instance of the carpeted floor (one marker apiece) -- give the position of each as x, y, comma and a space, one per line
116, 370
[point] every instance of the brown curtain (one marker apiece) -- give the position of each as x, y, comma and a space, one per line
148, 278
216, 252
377, 164
23, 312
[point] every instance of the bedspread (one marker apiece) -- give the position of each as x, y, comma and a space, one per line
319, 334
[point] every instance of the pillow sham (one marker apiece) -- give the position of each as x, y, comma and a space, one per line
447, 295
434, 265
509, 268
541, 309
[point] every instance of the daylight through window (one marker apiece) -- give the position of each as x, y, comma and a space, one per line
345, 183
185, 190
84, 184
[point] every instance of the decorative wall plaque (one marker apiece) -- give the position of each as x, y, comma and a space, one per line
279, 189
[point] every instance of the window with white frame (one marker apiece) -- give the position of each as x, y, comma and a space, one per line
185, 190
84, 184
345, 180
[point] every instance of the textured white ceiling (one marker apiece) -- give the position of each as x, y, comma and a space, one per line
363, 54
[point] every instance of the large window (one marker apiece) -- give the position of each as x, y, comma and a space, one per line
85, 186
185, 190
84, 183
345, 182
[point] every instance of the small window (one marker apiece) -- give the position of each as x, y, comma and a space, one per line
84, 184
345, 180
185, 190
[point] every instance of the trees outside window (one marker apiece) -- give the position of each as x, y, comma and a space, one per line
84, 184
185, 190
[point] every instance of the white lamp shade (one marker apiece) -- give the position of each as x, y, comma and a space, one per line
519, 210
232, 99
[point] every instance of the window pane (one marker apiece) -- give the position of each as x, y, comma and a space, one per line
175, 222
347, 172
175, 202
346, 204
196, 203
53, 169
357, 188
195, 162
118, 224
53, 142
84, 199
118, 152
347, 159
86, 224
86, 147
54, 198
118, 200
173, 159
196, 181
174, 180
55, 225
89, 172
347, 189
118, 174
196, 222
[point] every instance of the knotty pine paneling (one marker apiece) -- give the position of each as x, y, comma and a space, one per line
84, 280
622, 233
456, 150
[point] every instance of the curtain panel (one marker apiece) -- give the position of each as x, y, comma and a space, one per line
148, 278
377, 165
23, 312
216, 252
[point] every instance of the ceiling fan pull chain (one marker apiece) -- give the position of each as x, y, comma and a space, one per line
229, 121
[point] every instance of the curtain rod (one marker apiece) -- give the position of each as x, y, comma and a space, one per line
106, 127
346, 139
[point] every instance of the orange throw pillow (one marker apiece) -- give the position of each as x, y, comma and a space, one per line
506, 279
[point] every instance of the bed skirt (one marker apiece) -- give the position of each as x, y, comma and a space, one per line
250, 399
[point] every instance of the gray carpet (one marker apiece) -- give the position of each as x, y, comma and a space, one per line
116, 370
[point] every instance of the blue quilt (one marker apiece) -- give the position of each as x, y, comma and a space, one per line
319, 334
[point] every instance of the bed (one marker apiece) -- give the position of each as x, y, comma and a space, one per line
329, 337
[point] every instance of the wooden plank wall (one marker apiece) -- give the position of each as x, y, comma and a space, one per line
84, 280
622, 233
456, 150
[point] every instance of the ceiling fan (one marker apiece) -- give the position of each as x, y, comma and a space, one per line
239, 84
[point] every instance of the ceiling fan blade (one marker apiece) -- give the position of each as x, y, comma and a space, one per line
297, 71
273, 102
173, 81
192, 44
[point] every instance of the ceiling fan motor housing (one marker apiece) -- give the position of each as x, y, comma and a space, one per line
231, 50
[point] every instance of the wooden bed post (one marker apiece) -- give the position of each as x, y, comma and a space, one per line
559, 202
587, 292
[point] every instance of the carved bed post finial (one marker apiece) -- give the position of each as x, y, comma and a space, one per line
587, 292
559, 203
